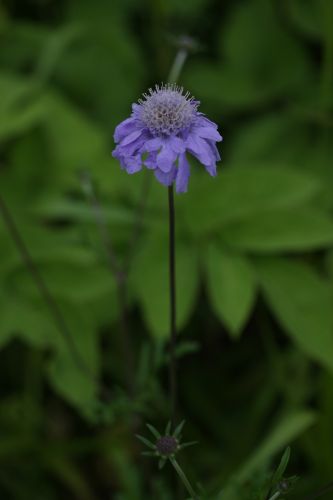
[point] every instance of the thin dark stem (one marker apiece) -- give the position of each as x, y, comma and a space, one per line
120, 276
173, 327
44, 291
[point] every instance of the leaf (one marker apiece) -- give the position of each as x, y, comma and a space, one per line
74, 141
278, 474
22, 108
302, 302
231, 287
150, 280
286, 430
240, 192
281, 230
76, 380
259, 60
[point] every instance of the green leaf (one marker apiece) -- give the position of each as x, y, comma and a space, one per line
286, 430
73, 380
150, 280
278, 474
240, 192
231, 287
256, 65
281, 230
302, 302
22, 108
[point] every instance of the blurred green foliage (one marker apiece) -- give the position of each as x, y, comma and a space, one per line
254, 249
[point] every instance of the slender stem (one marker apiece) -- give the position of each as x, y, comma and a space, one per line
174, 74
44, 291
183, 478
177, 66
120, 276
275, 496
173, 327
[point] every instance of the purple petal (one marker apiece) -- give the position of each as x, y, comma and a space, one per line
166, 178
166, 159
183, 174
177, 144
132, 164
211, 169
150, 162
131, 137
208, 133
125, 128
200, 149
153, 144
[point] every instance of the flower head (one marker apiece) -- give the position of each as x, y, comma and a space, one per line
164, 126
167, 445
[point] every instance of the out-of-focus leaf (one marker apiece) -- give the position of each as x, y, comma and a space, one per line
240, 192
261, 60
231, 286
289, 428
76, 380
21, 106
286, 430
75, 142
301, 301
307, 15
151, 284
281, 230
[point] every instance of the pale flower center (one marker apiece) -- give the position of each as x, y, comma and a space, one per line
167, 111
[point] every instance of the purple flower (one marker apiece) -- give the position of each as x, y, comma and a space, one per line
164, 126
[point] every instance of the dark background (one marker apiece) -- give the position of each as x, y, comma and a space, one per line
254, 250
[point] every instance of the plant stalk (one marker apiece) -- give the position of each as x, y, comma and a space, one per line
183, 479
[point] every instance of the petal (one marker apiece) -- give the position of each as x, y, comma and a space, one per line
132, 164
166, 178
150, 162
153, 144
177, 144
125, 128
208, 133
200, 149
166, 159
211, 169
131, 137
183, 174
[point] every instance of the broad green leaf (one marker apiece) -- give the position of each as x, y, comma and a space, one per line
231, 287
240, 192
281, 230
75, 142
74, 375
260, 60
308, 16
151, 284
286, 430
21, 106
302, 302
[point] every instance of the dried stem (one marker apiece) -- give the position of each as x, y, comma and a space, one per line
45, 293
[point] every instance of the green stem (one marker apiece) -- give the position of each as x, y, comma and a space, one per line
177, 66
275, 496
183, 478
